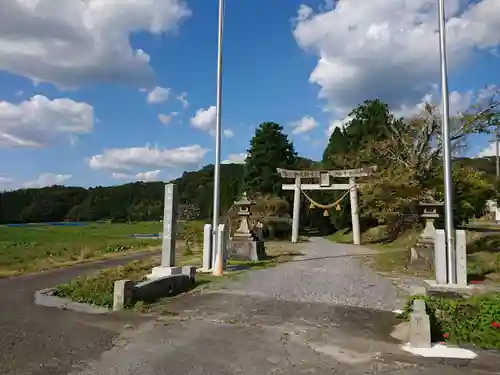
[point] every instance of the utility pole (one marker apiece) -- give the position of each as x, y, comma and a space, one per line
497, 154
218, 123
448, 184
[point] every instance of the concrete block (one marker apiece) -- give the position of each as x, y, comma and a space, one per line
161, 271
461, 260
440, 257
420, 326
207, 247
247, 249
151, 290
189, 271
122, 293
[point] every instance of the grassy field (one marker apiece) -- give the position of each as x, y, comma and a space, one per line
97, 289
35, 248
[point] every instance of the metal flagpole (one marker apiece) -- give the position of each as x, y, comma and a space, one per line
216, 208
448, 184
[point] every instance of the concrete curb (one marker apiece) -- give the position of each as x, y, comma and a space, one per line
46, 297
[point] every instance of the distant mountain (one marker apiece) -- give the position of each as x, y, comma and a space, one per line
133, 201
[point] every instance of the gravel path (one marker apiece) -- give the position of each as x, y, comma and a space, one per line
327, 272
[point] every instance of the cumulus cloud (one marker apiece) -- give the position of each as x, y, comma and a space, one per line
204, 119
47, 179
158, 95
165, 119
126, 159
40, 121
71, 43
235, 159
304, 125
141, 176
389, 49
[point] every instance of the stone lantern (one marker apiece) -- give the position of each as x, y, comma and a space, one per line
243, 205
423, 252
430, 215
245, 245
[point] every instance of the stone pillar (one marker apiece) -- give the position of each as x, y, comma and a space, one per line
296, 211
353, 193
207, 247
461, 258
169, 226
440, 257
167, 267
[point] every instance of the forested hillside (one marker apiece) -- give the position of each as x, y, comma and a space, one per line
373, 136
133, 201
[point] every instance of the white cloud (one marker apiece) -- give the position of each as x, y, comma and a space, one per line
141, 176
165, 119
183, 99
228, 133
235, 159
39, 121
389, 49
5, 182
47, 179
125, 159
337, 124
158, 95
71, 43
204, 119
488, 151
304, 125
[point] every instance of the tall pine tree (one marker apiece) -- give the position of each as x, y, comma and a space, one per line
269, 149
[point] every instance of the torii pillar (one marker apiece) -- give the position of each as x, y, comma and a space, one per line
324, 177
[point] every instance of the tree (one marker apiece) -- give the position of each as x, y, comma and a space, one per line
269, 149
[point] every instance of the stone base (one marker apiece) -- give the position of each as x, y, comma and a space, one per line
162, 271
247, 250
450, 290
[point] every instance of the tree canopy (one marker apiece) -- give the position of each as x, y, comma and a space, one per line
269, 149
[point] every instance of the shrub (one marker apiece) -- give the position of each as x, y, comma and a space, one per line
277, 229
474, 320
193, 236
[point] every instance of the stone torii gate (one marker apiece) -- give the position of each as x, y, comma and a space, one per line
324, 177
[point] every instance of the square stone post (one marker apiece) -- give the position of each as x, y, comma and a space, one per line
461, 260
221, 243
440, 258
169, 226
207, 247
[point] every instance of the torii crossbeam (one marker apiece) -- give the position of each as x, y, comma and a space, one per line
324, 177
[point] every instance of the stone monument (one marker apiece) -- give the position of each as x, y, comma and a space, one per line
167, 266
423, 252
245, 244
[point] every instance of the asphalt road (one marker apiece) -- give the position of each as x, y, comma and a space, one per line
39, 340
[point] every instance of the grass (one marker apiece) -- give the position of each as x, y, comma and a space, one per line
97, 289
36, 248
483, 253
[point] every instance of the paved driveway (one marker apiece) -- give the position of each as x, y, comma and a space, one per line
39, 340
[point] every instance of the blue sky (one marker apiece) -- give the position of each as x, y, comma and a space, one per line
77, 86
